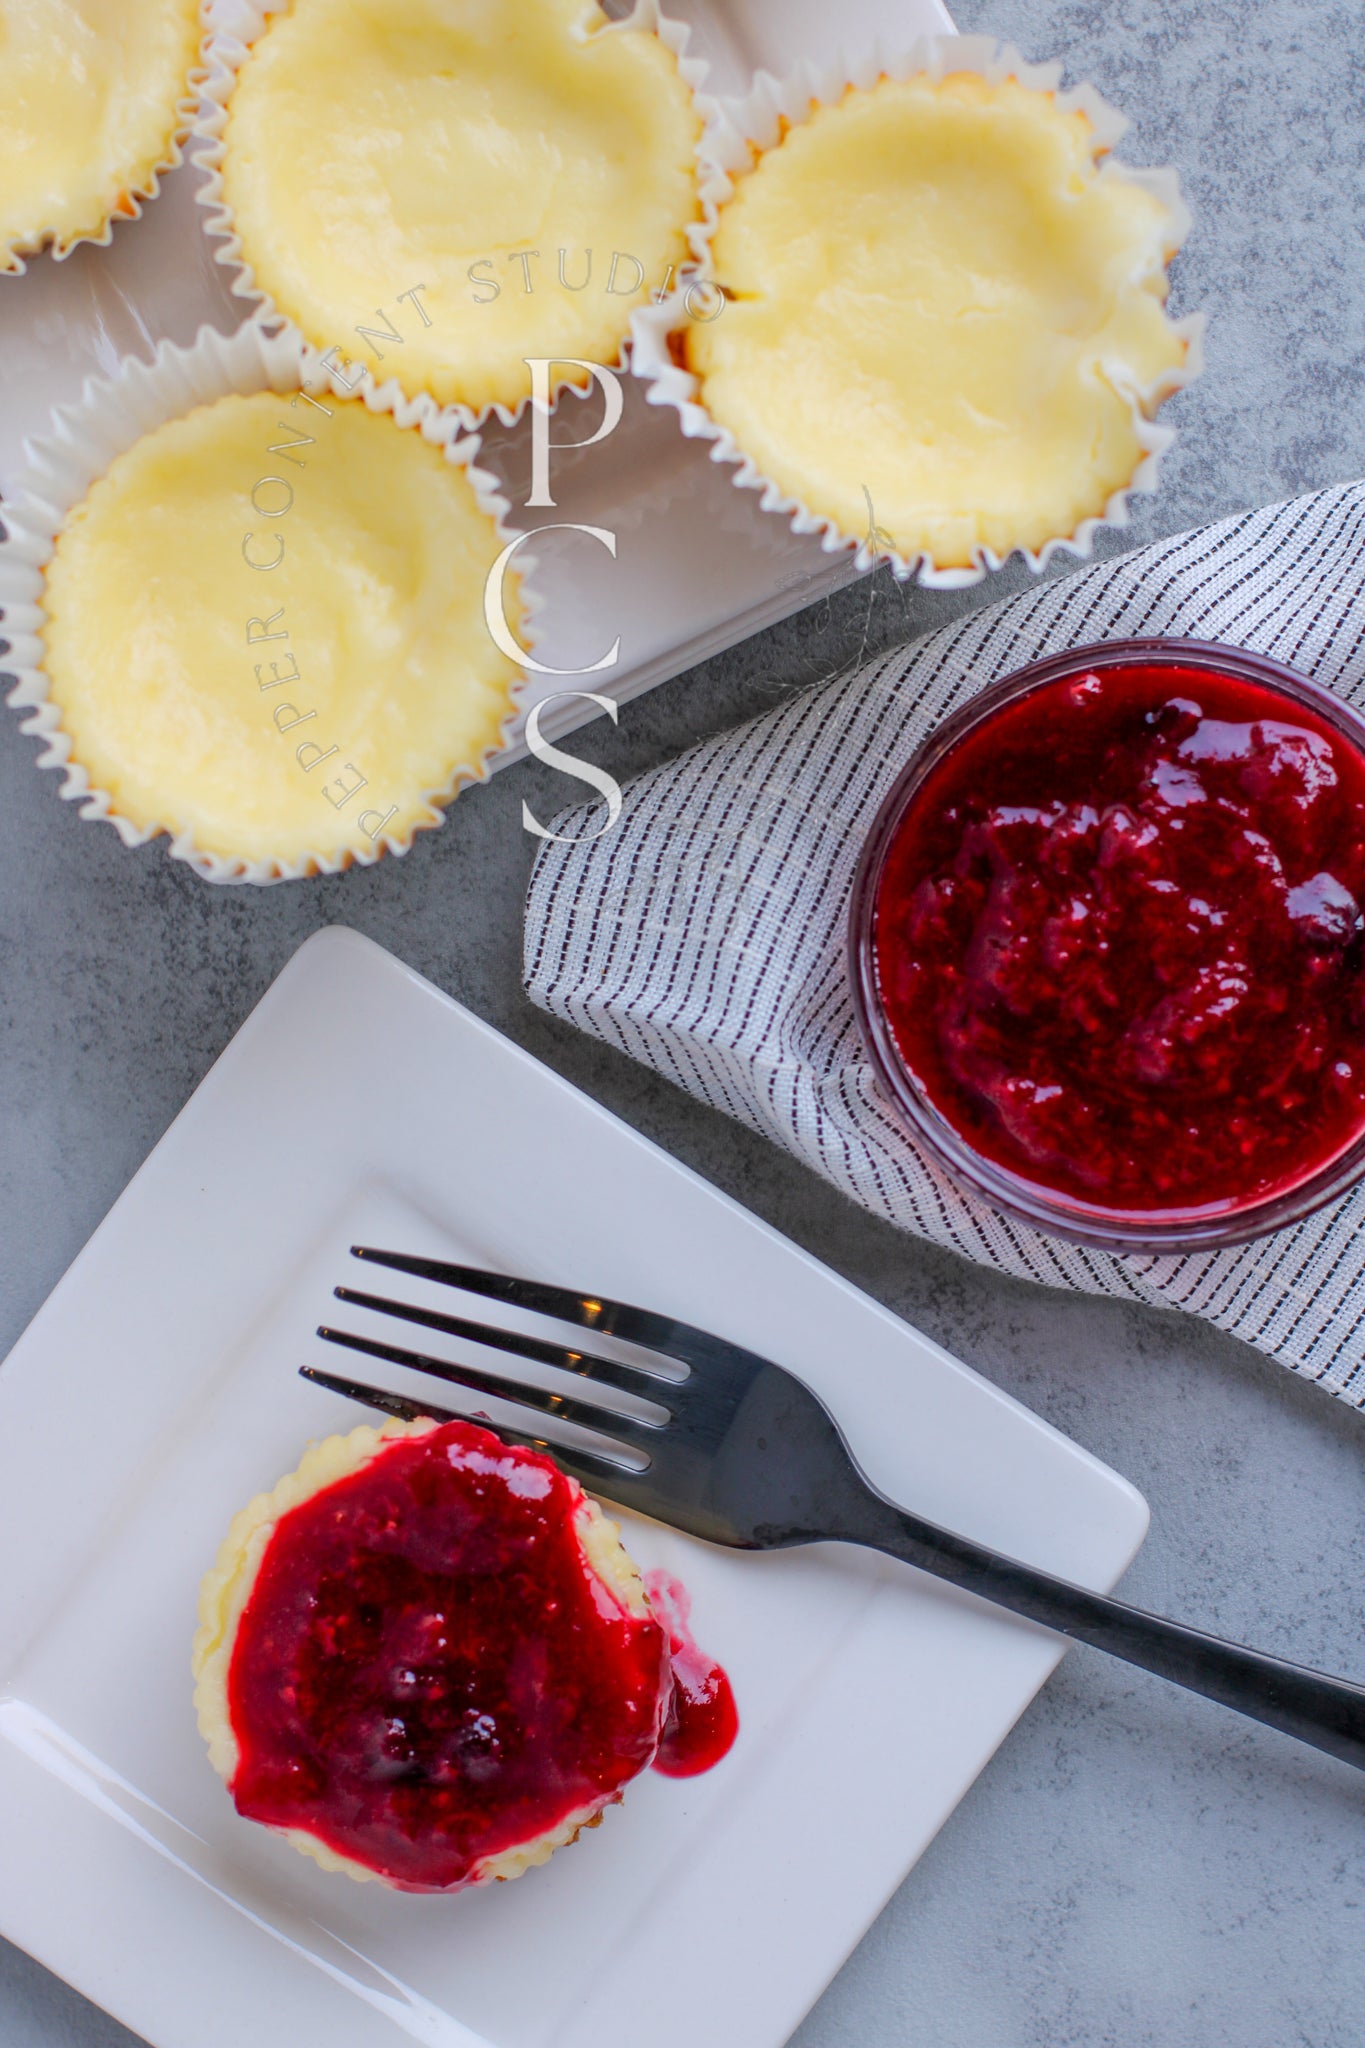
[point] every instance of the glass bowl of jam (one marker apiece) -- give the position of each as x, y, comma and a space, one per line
1107, 945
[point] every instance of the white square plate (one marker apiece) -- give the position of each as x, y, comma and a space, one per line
157, 1391
699, 565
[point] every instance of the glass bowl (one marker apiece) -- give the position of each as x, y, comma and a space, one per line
1169, 1230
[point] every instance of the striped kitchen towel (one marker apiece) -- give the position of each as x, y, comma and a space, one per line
705, 933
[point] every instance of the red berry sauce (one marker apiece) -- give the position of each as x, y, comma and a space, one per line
427, 1673
1118, 939
702, 1720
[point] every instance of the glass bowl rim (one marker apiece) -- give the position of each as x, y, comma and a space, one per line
1169, 1232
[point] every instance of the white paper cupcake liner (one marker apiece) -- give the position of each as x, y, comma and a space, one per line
234, 25
14, 254
739, 128
111, 415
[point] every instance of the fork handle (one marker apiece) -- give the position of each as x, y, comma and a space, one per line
1327, 1712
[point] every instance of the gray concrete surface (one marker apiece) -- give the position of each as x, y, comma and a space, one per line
1136, 1869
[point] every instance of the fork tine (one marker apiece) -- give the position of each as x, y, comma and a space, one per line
588, 1311
376, 1397
630, 1429
606, 1371
582, 1464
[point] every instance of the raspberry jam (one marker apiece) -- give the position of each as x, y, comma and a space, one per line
702, 1720
427, 1673
1117, 937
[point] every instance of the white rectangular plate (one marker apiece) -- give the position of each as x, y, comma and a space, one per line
698, 567
157, 1391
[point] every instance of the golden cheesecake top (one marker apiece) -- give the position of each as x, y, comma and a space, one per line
941, 303
88, 95
266, 630
474, 181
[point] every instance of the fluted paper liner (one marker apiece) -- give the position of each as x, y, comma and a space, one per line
741, 128
234, 25
111, 415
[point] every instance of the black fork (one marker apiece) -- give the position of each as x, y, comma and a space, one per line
741, 1453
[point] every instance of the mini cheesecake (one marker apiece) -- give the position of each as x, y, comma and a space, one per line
89, 113
463, 185
425, 1658
266, 632
943, 320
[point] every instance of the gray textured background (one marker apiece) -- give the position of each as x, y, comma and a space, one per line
1135, 1868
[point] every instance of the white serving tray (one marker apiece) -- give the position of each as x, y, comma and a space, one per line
157, 1391
699, 565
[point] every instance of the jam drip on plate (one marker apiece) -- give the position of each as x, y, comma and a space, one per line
702, 1720
1118, 939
